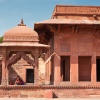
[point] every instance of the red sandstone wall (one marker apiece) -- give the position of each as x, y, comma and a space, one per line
75, 41
58, 92
81, 41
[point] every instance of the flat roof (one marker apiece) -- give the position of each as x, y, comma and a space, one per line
69, 21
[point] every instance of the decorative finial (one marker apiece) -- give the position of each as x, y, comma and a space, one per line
21, 23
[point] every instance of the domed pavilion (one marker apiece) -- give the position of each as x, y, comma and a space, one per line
20, 47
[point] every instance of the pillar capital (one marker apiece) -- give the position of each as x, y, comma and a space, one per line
36, 50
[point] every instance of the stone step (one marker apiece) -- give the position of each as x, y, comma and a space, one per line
49, 99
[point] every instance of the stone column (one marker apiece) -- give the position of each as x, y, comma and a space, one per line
56, 70
57, 59
3, 81
93, 69
74, 68
93, 61
7, 70
7, 79
47, 73
36, 69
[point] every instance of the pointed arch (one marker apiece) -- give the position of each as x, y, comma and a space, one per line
18, 56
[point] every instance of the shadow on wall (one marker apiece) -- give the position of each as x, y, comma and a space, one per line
14, 78
50, 94
54, 95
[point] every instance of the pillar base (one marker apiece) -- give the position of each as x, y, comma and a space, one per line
47, 82
36, 82
4, 82
56, 83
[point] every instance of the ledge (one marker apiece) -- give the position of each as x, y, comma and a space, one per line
24, 87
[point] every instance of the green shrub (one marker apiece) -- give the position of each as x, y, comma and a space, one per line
1, 38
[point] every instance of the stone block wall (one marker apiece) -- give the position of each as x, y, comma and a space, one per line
50, 91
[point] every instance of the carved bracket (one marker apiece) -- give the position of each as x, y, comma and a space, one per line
18, 56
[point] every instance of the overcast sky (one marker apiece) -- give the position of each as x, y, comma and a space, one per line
11, 11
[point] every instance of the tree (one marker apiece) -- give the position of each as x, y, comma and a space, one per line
1, 38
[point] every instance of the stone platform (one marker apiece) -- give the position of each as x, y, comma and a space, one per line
50, 99
67, 92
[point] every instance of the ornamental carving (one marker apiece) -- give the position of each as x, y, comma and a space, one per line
78, 10
18, 56
20, 38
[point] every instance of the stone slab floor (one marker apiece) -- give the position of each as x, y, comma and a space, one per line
49, 99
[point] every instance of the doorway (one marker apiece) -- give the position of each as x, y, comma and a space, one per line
84, 63
29, 75
65, 68
98, 69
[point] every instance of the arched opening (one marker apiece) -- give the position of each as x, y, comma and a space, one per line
17, 66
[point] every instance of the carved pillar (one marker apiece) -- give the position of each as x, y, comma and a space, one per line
3, 81
7, 70
7, 78
36, 69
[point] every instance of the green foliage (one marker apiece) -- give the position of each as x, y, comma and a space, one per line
1, 38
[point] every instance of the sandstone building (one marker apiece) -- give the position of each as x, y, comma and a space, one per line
61, 58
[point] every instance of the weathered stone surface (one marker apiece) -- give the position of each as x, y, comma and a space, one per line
78, 42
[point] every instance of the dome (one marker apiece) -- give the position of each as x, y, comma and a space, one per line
21, 33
